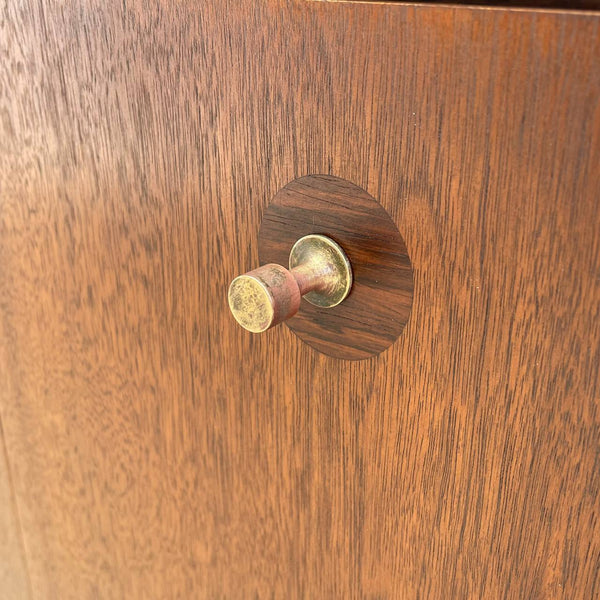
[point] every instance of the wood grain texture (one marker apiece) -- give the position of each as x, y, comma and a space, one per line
552, 4
372, 317
157, 450
13, 572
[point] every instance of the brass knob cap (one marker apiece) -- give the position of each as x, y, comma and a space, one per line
319, 271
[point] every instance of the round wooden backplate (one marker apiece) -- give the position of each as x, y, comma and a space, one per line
374, 314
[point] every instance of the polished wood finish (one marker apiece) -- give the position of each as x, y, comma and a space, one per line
378, 307
13, 572
551, 4
158, 450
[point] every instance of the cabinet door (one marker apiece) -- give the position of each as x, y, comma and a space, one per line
157, 449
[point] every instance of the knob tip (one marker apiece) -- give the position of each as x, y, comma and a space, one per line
264, 297
251, 304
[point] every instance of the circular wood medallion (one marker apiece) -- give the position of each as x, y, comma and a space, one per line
374, 314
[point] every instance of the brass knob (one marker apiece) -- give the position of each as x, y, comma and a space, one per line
319, 271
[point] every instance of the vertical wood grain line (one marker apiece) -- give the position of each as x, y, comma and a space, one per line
15, 511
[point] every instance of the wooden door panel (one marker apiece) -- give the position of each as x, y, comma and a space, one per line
159, 450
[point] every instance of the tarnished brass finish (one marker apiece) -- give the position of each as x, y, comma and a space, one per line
327, 268
264, 297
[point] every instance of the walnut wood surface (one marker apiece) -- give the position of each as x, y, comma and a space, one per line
553, 4
378, 306
13, 573
155, 448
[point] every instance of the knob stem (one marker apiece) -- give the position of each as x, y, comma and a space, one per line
311, 277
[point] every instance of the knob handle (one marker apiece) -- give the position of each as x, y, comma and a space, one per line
319, 271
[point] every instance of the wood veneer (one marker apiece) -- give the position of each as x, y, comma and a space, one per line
551, 4
372, 317
13, 571
157, 450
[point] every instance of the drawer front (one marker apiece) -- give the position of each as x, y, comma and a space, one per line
153, 447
